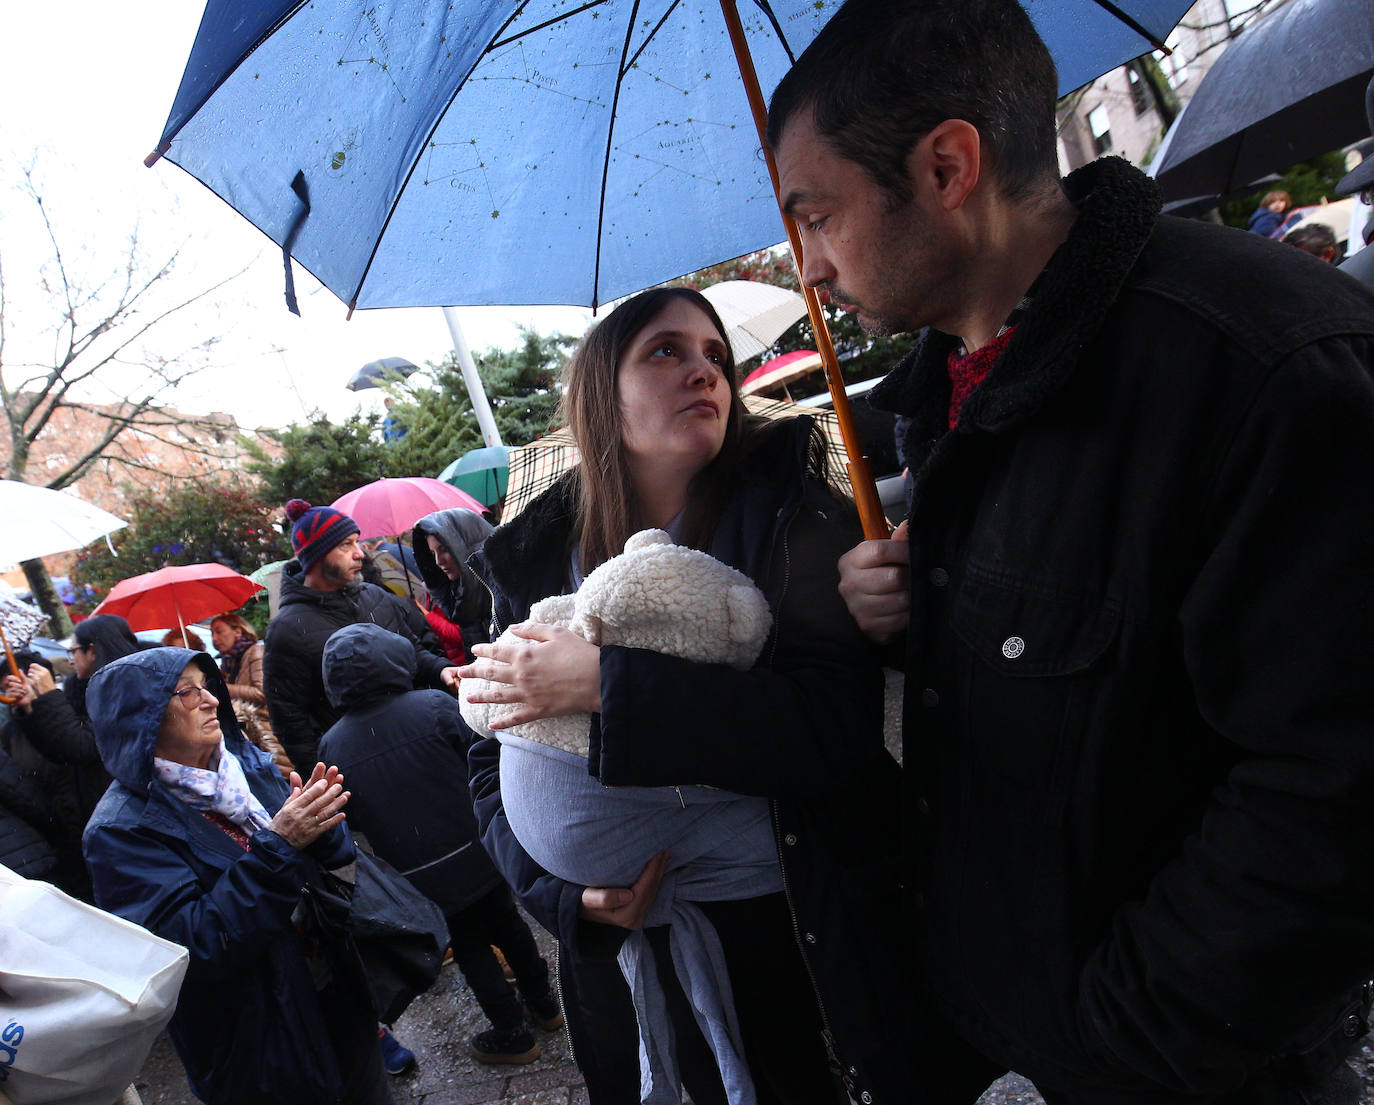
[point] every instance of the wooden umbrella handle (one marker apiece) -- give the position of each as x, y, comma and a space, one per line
860, 474
10, 699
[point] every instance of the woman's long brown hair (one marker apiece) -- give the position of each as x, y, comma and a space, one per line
605, 512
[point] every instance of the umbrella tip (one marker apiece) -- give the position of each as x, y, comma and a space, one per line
154, 157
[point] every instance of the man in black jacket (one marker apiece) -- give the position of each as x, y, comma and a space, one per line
322, 591
1133, 610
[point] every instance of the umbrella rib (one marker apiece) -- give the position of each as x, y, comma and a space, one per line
165, 143
631, 63
1112, 9
541, 26
438, 119
606, 163
767, 10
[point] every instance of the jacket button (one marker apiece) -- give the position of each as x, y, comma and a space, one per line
790, 838
810, 937
1012, 647
930, 697
1354, 1026
938, 577
866, 1098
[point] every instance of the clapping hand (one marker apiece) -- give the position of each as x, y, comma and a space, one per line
313, 807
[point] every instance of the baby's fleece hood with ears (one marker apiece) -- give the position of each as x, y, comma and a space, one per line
127, 699
655, 595
673, 599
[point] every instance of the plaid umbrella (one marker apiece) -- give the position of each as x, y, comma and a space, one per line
20, 621
535, 467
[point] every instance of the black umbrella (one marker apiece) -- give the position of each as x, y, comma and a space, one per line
1289, 87
375, 372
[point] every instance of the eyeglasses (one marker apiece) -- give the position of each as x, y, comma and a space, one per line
71, 652
192, 696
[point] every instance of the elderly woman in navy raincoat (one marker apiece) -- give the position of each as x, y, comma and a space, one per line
200, 840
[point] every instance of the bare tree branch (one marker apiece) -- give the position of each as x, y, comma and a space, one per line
110, 334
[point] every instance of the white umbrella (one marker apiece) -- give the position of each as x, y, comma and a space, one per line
755, 315
43, 522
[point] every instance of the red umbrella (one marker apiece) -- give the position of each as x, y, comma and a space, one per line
177, 595
384, 508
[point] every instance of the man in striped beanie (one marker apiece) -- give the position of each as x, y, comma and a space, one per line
318, 531
322, 590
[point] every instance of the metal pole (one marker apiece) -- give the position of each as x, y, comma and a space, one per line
480, 407
860, 475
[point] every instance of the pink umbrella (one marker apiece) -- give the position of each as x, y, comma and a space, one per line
781, 371
177, 595
385, 508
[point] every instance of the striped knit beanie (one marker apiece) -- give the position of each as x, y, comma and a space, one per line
317, 529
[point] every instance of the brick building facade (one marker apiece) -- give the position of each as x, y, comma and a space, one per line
165, 447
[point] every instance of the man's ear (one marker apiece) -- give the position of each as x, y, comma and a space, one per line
947, 163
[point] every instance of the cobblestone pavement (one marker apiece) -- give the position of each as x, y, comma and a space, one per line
439, 1024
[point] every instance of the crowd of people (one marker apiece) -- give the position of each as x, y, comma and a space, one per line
1126, 853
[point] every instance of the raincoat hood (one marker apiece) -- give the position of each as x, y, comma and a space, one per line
365, 662
127, 698
460, 530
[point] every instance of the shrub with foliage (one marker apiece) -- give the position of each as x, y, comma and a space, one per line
191, 523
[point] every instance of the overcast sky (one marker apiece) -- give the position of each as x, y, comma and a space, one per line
87, 85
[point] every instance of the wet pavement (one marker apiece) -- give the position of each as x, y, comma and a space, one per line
439, 1024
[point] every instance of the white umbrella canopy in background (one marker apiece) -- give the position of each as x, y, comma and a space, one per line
755, 315
44, 522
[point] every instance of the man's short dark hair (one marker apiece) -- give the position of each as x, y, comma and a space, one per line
884, 73
1313, 238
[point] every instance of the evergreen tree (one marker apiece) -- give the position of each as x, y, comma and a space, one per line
320, 460
521, 387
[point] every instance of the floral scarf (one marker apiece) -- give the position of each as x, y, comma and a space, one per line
222, 790
232, 660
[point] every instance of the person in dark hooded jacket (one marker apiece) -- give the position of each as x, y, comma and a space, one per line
51, 738
404, 752
24, 824
201, 841
443, 541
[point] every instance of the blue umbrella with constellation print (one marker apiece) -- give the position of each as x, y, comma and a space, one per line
443, 152
507, 152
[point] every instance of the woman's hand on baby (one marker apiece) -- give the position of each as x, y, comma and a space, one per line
622, 905
313, 807
547, 672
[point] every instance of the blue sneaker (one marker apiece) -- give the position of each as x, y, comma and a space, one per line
396, 1057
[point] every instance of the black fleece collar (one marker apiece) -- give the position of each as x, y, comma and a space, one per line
1117, 210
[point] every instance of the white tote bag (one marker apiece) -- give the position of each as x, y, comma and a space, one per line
83, 995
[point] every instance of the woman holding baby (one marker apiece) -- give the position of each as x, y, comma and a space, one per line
820, 985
